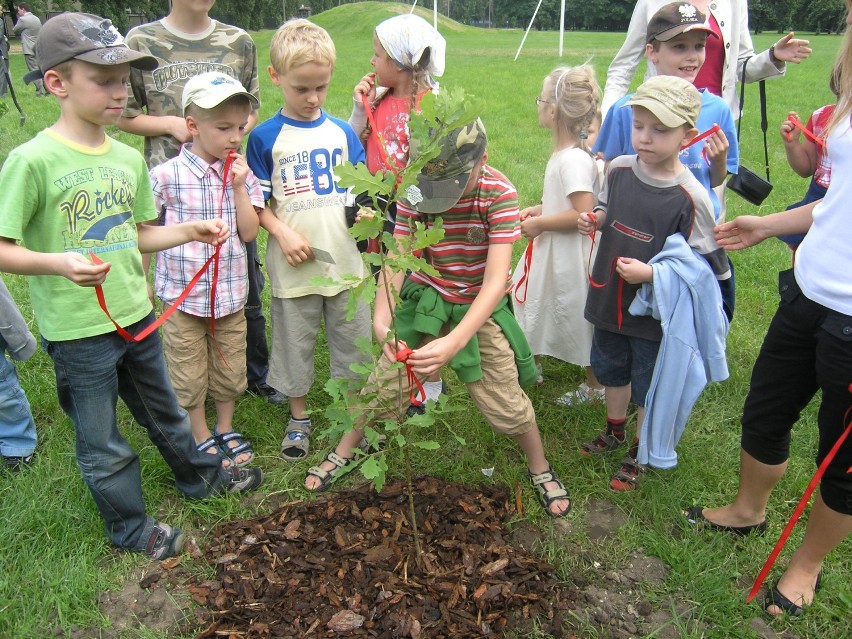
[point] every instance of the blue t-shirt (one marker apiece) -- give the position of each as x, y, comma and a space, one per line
614, 138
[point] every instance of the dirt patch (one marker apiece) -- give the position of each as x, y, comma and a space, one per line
344, 565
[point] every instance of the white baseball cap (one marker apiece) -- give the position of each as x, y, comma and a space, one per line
209, 90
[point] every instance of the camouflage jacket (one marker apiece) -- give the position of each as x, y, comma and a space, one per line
222, 48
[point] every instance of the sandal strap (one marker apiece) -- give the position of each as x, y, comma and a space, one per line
604, 442
303, 428
547, 497
207, 444
328, 477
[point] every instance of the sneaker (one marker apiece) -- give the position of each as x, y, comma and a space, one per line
243, 479
165, 541
583, 395
272, 395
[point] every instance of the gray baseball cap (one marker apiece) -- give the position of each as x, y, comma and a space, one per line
86, 37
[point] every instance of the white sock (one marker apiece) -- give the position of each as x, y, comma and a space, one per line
433, 389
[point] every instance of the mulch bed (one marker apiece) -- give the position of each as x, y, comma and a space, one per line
344, 565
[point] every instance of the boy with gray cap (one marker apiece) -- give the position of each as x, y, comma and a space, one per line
205, 339
462, 315
646, 198
78, 199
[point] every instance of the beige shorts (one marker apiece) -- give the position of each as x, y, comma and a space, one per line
295, 324
195, 366
498, 395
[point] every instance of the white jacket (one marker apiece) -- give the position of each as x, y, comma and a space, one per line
732, 16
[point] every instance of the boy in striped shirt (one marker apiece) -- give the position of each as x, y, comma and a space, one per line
461, 315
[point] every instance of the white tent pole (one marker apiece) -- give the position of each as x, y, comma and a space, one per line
561, 27
412, 6
524, 39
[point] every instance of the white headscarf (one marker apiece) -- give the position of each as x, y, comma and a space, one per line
407, 37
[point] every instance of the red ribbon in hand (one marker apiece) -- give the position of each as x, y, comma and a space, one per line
402, 355
593, 283
808, 134
214, 259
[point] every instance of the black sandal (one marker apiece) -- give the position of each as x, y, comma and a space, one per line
547, 497
775, 598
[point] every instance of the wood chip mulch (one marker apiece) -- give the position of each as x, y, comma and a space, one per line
344, 565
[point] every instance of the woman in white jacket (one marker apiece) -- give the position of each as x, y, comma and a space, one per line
729, 19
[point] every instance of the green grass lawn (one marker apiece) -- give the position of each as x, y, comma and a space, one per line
56, 559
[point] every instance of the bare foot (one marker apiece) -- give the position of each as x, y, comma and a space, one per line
727, 517
797, 588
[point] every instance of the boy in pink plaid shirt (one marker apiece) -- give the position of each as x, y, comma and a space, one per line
197, 184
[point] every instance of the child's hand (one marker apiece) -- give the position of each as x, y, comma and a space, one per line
80, 270
365, 214
587, 223
530, 211
431, 357
366, 86
239, 170
177, 128
212, 232
531, 227
295, 247
717, 146
790, 133
633, 271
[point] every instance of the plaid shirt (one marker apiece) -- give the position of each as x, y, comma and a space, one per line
186, 188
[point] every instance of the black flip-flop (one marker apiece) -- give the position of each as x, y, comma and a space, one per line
695, 515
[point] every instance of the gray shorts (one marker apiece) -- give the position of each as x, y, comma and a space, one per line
295, 325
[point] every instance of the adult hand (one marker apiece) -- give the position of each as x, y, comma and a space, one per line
790, 49
741, 232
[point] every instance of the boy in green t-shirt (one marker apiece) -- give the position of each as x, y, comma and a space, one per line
72, 192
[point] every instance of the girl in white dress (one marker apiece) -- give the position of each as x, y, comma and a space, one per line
550, 289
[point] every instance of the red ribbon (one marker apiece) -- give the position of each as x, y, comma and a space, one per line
619, 309
214, 259
701, 136
525, 278
808, 134
402, 355
375, 130
803, 502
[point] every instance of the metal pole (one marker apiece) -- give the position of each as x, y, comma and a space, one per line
561, 27
524, 39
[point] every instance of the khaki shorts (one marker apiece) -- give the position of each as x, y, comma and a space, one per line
295, 325
195, 366
498, 395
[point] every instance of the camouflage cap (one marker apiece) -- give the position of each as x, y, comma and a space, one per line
673, 19
442, 181
83, 36
673, 100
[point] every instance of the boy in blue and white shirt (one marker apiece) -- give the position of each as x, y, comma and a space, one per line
293, 154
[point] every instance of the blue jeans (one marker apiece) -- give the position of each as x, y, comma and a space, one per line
17, 428
91, 374
618, 360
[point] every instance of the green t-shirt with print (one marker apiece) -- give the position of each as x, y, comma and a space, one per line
63, 197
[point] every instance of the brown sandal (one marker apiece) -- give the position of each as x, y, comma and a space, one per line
603, 443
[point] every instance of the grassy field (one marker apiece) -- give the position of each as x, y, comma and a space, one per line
56, 560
